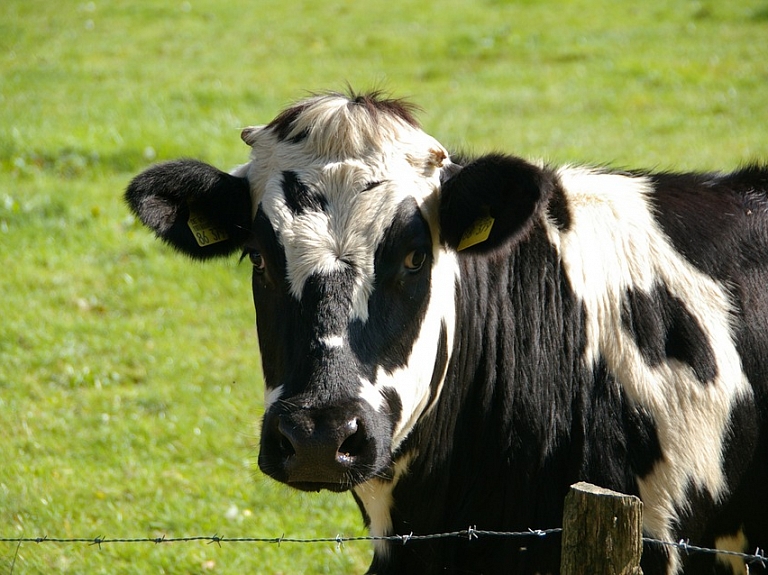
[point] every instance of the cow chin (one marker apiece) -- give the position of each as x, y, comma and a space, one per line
317, 487
333, 448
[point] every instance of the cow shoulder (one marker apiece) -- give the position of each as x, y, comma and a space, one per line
195, 207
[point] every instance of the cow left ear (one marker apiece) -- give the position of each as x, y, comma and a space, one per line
195, 207
491, 201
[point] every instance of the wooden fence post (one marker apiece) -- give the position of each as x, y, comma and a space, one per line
602, 532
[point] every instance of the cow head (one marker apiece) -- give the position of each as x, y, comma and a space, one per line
352, 217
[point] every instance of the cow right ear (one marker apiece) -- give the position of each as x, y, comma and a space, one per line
195, 207
491, 201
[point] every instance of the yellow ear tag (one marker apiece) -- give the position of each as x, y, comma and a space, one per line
205, 231
478, 233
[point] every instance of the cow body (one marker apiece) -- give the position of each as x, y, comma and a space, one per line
459, 341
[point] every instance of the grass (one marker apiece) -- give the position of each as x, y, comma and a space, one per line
129, 378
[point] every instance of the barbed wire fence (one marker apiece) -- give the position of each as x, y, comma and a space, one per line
758, 558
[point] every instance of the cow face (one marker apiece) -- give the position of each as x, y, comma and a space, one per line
351, 216
353, 293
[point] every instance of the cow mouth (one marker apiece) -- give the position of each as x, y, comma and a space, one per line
317, 486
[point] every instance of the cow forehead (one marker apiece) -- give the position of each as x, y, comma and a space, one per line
342, 147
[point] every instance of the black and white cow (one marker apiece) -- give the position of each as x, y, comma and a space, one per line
458, 341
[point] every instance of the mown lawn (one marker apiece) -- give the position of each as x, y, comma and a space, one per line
130, 387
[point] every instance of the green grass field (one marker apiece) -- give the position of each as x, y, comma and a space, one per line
130, 386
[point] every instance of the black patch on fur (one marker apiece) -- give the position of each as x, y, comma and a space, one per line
644, 447
617, 442
283, 336
619, 439
663, 328
557, 209
326, 301
282, 125
718, 221
394, 405
298, 197
376, 103
398, 304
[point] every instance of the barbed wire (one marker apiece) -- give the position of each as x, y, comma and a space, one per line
759, 557
469, 533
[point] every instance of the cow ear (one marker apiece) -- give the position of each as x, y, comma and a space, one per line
491, 201
196, 208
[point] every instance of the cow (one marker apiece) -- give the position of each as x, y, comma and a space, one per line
457, 340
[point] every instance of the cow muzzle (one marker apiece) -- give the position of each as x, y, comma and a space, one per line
313, 449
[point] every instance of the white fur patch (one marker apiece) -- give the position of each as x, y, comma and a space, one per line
615, 244
332, 341
271, 395
376, 497
371, 394
736, 543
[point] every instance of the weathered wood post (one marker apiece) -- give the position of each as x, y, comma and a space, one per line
602, 532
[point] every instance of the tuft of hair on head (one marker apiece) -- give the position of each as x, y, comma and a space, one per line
335, 124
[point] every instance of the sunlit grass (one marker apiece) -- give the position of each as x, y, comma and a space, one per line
129, 377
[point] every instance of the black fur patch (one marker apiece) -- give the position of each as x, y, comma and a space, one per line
298, 197
394, 405
282, 125
283, 337
716, 220
618, 437
557, 209
663, 328
326, 301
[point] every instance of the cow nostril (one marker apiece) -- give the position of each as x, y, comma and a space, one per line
286, 447
283, 432
354, 443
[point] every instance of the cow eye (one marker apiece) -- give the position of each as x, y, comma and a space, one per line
414, 260
259, 265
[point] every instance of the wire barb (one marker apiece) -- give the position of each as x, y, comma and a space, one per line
215, 539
